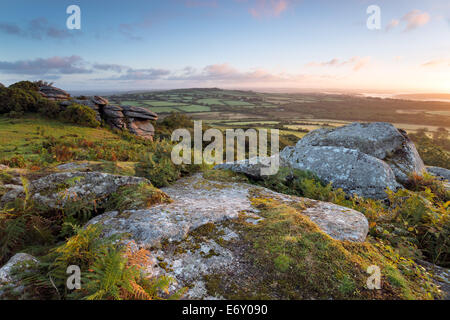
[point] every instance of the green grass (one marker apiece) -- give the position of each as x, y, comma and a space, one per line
19, 136
131, 103
162, 103
236, 103
163, 109
211, 102
194, 108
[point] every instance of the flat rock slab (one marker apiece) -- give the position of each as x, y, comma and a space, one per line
198, 201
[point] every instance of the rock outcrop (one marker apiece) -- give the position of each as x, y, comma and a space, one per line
52, 93
349, 169
380, 140
136, 120
168, 230
360, 158
198, 201
56, 189
5, 271
8, 279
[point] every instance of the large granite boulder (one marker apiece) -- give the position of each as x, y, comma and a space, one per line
380, 140
349, 169
56, 189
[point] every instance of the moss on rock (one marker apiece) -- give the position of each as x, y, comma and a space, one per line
289, 257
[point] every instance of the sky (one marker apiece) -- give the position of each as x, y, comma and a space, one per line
248, 44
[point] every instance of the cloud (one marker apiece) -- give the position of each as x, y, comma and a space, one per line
110, 67
10, 29
38, 28
415, 19
393, 24
54, 65
437, 63
221, 72
141, 74
224, 73
356, 63
268, 8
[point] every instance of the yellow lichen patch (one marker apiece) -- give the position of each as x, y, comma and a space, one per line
225, 176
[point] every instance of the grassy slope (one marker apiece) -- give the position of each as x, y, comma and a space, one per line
19, 136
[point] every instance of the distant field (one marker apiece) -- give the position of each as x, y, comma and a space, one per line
163, 103
164, 109
131, 103
237, 103
211, 102
194, 108
294, 111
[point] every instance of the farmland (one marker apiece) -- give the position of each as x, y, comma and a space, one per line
291, 113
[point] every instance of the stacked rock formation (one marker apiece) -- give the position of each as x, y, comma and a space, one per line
136, 120
53, 93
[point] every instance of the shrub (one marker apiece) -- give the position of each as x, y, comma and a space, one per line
5, 177
434, 151
17, 101
425, 180
48, 108
15, 162
25, 85
304, 184
81, 115
136, 197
